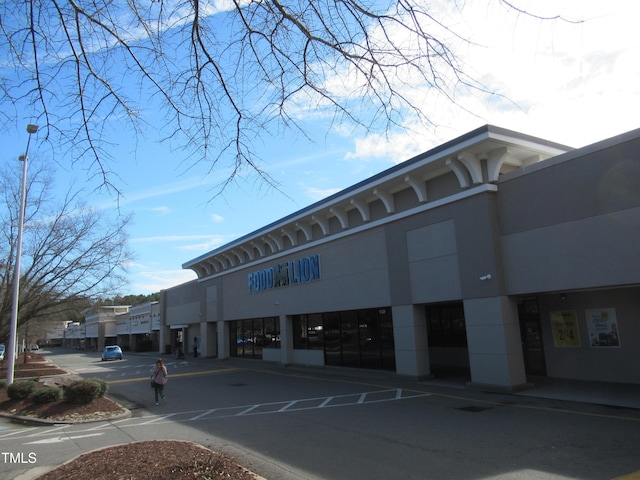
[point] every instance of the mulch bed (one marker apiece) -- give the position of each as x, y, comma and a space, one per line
151, 460
36, 366
59, 411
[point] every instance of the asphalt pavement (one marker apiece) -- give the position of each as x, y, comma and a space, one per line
287, 423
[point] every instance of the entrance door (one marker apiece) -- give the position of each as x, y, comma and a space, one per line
531, 334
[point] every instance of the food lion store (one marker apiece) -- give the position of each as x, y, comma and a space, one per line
497, 254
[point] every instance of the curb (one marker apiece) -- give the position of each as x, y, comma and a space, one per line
25, 420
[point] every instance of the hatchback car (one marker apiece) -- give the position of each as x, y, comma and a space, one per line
111, 352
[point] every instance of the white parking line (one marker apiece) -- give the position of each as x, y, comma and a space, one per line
53, 435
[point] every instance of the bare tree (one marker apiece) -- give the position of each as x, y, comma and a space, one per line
225, 73
70, 251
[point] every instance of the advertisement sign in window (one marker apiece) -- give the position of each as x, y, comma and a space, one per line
603, 327
564, 325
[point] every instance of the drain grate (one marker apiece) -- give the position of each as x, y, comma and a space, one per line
474, 409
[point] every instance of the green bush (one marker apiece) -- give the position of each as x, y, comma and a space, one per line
46, 395
3, 383
21, 389
103, 386
82, 391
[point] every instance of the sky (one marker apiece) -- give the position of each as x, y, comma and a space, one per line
571, 82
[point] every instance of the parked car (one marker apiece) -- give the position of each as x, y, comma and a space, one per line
2, 351
111, 352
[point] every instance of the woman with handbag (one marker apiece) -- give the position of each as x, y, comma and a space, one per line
159, 379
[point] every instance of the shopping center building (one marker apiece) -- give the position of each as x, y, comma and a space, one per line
497, 254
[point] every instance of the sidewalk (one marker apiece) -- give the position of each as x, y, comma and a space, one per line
624, 395
620, 395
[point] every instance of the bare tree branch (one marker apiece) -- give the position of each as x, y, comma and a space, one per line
223, 78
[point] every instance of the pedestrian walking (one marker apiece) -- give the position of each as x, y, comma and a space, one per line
159, 379
196, 346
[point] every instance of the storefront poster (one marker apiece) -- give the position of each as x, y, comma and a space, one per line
603, 327
564, 325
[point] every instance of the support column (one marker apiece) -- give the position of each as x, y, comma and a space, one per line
223, 339
164, 338
209, 342
495, 346
410, 337
203, 337
286, 340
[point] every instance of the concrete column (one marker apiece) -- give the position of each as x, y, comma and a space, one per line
495, 346
164, 338
410, 336
207, 337
209, 344
201, 333
223, 339
286, 340
101, 337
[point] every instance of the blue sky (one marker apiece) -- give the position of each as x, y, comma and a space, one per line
570, 83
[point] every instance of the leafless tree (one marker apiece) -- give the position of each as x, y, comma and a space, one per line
224, 73
70, 251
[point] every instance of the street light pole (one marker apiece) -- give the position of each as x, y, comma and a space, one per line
11, 348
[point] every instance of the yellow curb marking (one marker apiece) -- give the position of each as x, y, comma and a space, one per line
174, 375
630, 476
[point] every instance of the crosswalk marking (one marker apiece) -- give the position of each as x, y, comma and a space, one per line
48, 434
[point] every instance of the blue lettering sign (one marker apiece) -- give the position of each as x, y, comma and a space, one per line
301, 270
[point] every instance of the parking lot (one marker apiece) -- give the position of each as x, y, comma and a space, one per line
286, 423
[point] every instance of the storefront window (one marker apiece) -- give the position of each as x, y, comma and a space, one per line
332, 341
354, 338
249, 337
308, 332
446, 326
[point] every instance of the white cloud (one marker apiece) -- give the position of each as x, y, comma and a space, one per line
315, 193
161, 210
216, 218
186, 242
397, 147
170, 238
151, 281
573, 83
208, 243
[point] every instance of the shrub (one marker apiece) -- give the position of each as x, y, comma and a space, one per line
46, 395
82, 391
22, 389
103, 386
3, 383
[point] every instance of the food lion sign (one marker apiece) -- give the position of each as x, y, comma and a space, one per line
298, 271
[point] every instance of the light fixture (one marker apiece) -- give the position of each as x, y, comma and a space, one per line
13, 328
486, 277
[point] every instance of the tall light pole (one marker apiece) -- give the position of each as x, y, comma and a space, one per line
11, 348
